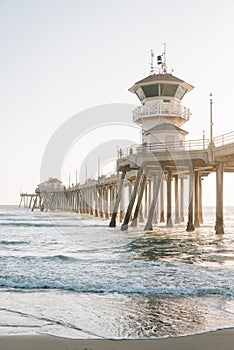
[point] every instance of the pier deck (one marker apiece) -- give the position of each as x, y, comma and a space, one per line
136, 192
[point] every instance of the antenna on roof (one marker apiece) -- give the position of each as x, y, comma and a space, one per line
164, 65
161, 59
152, 62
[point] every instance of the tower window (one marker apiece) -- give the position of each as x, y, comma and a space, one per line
140, 94
159, 90
180, 92
151, 90
168, 89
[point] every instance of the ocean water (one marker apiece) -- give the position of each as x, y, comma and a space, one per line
73, 276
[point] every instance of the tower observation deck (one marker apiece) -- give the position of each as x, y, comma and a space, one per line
161, 113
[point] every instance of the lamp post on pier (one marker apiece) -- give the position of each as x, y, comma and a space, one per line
211, 119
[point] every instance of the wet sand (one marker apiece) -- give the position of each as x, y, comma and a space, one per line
218, 340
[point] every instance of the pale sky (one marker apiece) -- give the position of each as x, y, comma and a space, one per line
60, 57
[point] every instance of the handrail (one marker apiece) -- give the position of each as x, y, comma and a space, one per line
223, 140
190, 145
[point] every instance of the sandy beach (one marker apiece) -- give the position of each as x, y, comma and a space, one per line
223, 339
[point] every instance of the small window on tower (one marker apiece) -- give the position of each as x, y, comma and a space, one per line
151, 90
180, 92
140, 94
168, 89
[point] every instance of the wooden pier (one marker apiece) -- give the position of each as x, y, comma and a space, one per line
141, 189
30, 200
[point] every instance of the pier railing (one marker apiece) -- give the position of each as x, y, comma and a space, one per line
190, 145
225, 139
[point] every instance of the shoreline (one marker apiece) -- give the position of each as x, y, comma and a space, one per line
213, 340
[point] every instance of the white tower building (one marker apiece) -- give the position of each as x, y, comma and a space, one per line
161, 114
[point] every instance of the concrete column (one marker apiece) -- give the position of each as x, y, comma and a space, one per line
129, 190
190, 225
122, 206
30, 202
141, 216
103, 200
70, 200
138, 206
169, 206
86, 201
162, 217
81, 201
155, 217
120, 194
219, 199
74, 201
197, 192
146, 201
181, 200
149, 193
157, 182
111, 198
77, 201
177, 213
200, 201
91, 201
106, 202
95, 198
132, 200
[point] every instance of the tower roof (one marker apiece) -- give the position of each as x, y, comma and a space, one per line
160, 78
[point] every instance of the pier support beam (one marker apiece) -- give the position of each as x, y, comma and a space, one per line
177, 214
219, 199
100, 201
190, 224
141, 217
146, 202
138, 206
162, 218
124, 226
112, 199
122, 206
91, 202
200, 201
157, 182
169, 206
34, 203
181, 200
197, 193
106, 202
95, 202
118, 198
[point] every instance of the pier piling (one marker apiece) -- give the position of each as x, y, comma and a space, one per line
169, 203
157, 182
190, 225
219, 199
124, 226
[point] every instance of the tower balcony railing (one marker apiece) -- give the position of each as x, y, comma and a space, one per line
161, 109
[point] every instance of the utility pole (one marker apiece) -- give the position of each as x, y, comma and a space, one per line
211, 119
